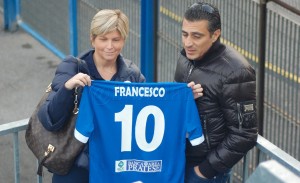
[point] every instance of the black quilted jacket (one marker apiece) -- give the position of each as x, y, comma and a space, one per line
227, 109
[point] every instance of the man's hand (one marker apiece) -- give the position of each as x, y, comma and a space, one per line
197, 171
197, 89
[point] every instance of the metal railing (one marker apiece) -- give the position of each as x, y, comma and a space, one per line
14, 128
267, 149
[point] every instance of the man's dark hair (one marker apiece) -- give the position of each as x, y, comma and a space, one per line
204, 11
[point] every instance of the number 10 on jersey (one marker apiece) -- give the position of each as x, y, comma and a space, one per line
125, 117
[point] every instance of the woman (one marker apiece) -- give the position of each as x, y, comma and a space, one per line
109, 30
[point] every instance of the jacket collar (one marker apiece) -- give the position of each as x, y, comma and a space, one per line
122, 69
214, 51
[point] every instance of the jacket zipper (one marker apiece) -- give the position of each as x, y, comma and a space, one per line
190, 72
240, 117
205, 132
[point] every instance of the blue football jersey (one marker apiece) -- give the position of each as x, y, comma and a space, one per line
137, 131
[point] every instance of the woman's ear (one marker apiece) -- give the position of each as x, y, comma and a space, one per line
92, 38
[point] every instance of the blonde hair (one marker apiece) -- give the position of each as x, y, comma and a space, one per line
108, 20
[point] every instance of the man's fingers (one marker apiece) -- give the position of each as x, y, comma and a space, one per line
191, 84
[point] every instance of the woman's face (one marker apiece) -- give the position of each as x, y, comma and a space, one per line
108, 46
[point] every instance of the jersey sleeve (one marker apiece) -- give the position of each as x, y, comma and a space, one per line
193, 123
84, 124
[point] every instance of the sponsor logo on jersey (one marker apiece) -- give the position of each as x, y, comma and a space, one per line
133, 165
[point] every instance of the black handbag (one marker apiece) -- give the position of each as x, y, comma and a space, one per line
57, 150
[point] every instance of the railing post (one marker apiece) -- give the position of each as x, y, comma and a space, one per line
261, 68
149, 24
262, 61
16, 157
10, 14
73, 27
245, 167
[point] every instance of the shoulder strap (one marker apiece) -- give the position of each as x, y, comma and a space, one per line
76, 109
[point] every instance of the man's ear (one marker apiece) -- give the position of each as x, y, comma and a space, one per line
216, 35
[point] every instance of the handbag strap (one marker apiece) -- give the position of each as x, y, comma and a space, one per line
76, 109
50, 149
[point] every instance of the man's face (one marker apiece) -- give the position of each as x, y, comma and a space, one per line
196, 38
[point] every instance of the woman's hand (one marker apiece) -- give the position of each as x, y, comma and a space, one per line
197, 89
79, 79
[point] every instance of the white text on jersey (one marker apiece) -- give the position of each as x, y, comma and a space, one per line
135, 91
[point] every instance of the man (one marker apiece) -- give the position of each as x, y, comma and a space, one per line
227, 107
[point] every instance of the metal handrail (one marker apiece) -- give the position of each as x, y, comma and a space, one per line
287, 6
277, 154
265, 147
14, 128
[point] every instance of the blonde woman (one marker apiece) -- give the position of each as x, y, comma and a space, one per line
108, 33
